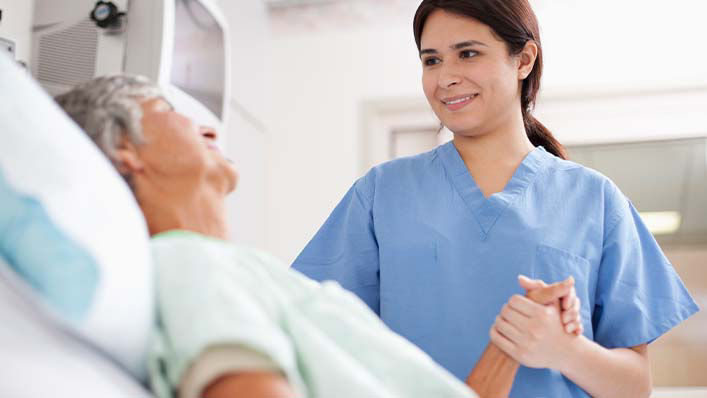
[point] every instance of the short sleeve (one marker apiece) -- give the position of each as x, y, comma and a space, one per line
206, 299
217, 361
639, 295
345, 247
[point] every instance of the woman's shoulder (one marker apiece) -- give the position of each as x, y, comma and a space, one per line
580, 174
402, 169
217, 258
589, 183
404, 165
182, 244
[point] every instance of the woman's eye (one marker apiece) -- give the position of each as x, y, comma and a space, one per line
467, 54
430, 61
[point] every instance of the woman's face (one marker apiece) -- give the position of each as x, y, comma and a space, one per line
177, 150
468, 77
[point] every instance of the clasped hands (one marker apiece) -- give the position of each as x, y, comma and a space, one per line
537, 329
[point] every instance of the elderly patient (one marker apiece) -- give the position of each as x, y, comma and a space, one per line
234, 321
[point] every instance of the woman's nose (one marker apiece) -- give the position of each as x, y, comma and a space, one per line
449, 77
449, 81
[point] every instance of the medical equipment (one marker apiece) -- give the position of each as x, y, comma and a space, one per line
7, 46
181, 44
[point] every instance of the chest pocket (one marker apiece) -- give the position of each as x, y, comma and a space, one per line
555, 265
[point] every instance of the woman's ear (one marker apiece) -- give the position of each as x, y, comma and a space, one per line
527, 59
127, 159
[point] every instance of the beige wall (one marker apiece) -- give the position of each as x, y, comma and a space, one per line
679, 358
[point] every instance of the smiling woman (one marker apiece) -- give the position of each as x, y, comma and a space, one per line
490, 59
434, 243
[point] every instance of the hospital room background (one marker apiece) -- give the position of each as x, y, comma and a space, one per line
312, 93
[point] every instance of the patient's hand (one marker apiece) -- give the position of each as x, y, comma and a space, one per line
493, 375
569, 303
530, 329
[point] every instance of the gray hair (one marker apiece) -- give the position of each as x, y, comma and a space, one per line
108, 110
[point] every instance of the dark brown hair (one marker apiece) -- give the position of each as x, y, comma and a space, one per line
514, 22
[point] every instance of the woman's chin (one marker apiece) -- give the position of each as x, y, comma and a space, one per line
464, 129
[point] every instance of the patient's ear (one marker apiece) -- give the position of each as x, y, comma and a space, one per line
127, 158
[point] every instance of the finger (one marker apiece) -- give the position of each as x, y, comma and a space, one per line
524, 305
575, 328
551, 293
579, 330
515, 318
530, 284
568, 300
571, 315
573, 312
503, 343
577, 304
508, 330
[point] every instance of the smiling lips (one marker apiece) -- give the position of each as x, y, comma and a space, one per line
457, 103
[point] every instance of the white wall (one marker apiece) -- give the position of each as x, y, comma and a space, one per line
605, 44
321, 79
16, 25
246, 141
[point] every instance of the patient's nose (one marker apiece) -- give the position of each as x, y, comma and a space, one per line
209, 133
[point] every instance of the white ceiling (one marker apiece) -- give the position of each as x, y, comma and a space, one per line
297, 3
303, 16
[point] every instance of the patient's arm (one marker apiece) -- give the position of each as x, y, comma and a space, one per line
251, 385
493, 375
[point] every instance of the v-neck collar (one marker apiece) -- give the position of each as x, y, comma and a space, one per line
488, 210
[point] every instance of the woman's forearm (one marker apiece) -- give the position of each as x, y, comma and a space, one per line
602, 372
493, 375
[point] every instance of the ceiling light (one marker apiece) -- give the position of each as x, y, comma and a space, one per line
662, 222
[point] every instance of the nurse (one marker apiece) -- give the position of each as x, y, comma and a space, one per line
434, 243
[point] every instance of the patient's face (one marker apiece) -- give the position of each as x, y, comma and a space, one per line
176, 149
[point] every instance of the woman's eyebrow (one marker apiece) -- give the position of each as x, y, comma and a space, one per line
468, 43
457, 46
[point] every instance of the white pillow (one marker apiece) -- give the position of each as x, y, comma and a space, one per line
41, 360
70, 228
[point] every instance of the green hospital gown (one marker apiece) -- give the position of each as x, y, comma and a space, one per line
321, 337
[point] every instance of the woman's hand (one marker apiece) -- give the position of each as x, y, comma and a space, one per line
569, 304
533, 333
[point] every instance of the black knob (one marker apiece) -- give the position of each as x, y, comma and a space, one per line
106, 14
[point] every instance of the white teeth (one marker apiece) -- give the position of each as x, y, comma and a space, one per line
460, 100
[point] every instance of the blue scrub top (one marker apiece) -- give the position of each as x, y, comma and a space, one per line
418, 242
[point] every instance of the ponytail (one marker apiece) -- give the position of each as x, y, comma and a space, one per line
539, 135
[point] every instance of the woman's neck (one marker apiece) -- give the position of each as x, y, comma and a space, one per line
493, 157
504, 143
202, 211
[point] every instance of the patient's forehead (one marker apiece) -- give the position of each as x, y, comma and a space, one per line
156, 104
